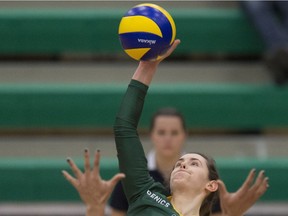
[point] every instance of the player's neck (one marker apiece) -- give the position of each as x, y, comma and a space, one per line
187, 204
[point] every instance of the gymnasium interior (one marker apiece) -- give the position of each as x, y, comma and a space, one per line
63, 73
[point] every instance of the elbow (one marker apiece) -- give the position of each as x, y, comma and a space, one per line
117, 126
123, 129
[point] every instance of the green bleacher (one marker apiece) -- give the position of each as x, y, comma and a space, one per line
61, 31
41, 179
207, 106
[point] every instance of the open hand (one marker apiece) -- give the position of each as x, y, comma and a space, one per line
237, 203
93, 190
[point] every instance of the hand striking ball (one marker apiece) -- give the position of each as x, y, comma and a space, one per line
146, 31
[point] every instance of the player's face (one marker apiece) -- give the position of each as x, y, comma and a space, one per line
168, 135
190, 171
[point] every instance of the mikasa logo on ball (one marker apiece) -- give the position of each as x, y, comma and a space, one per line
146, 31
146, 41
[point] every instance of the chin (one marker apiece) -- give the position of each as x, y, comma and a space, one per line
178, 183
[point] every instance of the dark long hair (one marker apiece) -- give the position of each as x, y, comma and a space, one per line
206, 207
167, 111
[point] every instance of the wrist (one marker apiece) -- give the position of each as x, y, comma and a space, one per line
145, 72
93, 210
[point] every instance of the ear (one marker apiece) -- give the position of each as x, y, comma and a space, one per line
212, 186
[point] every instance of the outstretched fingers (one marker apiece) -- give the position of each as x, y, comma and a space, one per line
263, 187
77, 172
96, 163
87, 161
247, 183
171, 49
261, 184
258, 181
69, 178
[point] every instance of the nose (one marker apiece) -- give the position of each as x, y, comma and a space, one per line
167, 137
182, 165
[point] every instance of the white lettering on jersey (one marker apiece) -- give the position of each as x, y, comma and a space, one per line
158, 199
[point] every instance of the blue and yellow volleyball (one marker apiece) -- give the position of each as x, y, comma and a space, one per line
146, 31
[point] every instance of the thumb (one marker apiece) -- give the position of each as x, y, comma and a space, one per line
170, 50
222, 188
117, 178
173, 47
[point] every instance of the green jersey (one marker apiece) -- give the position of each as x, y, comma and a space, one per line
144, 195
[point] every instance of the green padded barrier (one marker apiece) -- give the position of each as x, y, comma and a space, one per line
60, 31
211, 106
41, 179
54, 31
216, 31
234, 172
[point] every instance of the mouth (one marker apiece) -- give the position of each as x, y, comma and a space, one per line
167, 146
183, 171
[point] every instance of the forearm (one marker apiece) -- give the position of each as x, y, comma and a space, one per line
145, 72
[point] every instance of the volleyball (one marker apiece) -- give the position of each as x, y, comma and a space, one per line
146, 31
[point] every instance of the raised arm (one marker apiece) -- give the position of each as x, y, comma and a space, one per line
132, 160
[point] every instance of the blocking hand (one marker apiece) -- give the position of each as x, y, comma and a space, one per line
93, 190
237, 203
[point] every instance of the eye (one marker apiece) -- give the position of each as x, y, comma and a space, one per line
161, 132
177, 164
195, 163
175, 133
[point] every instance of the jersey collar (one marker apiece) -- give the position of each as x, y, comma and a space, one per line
169, 198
